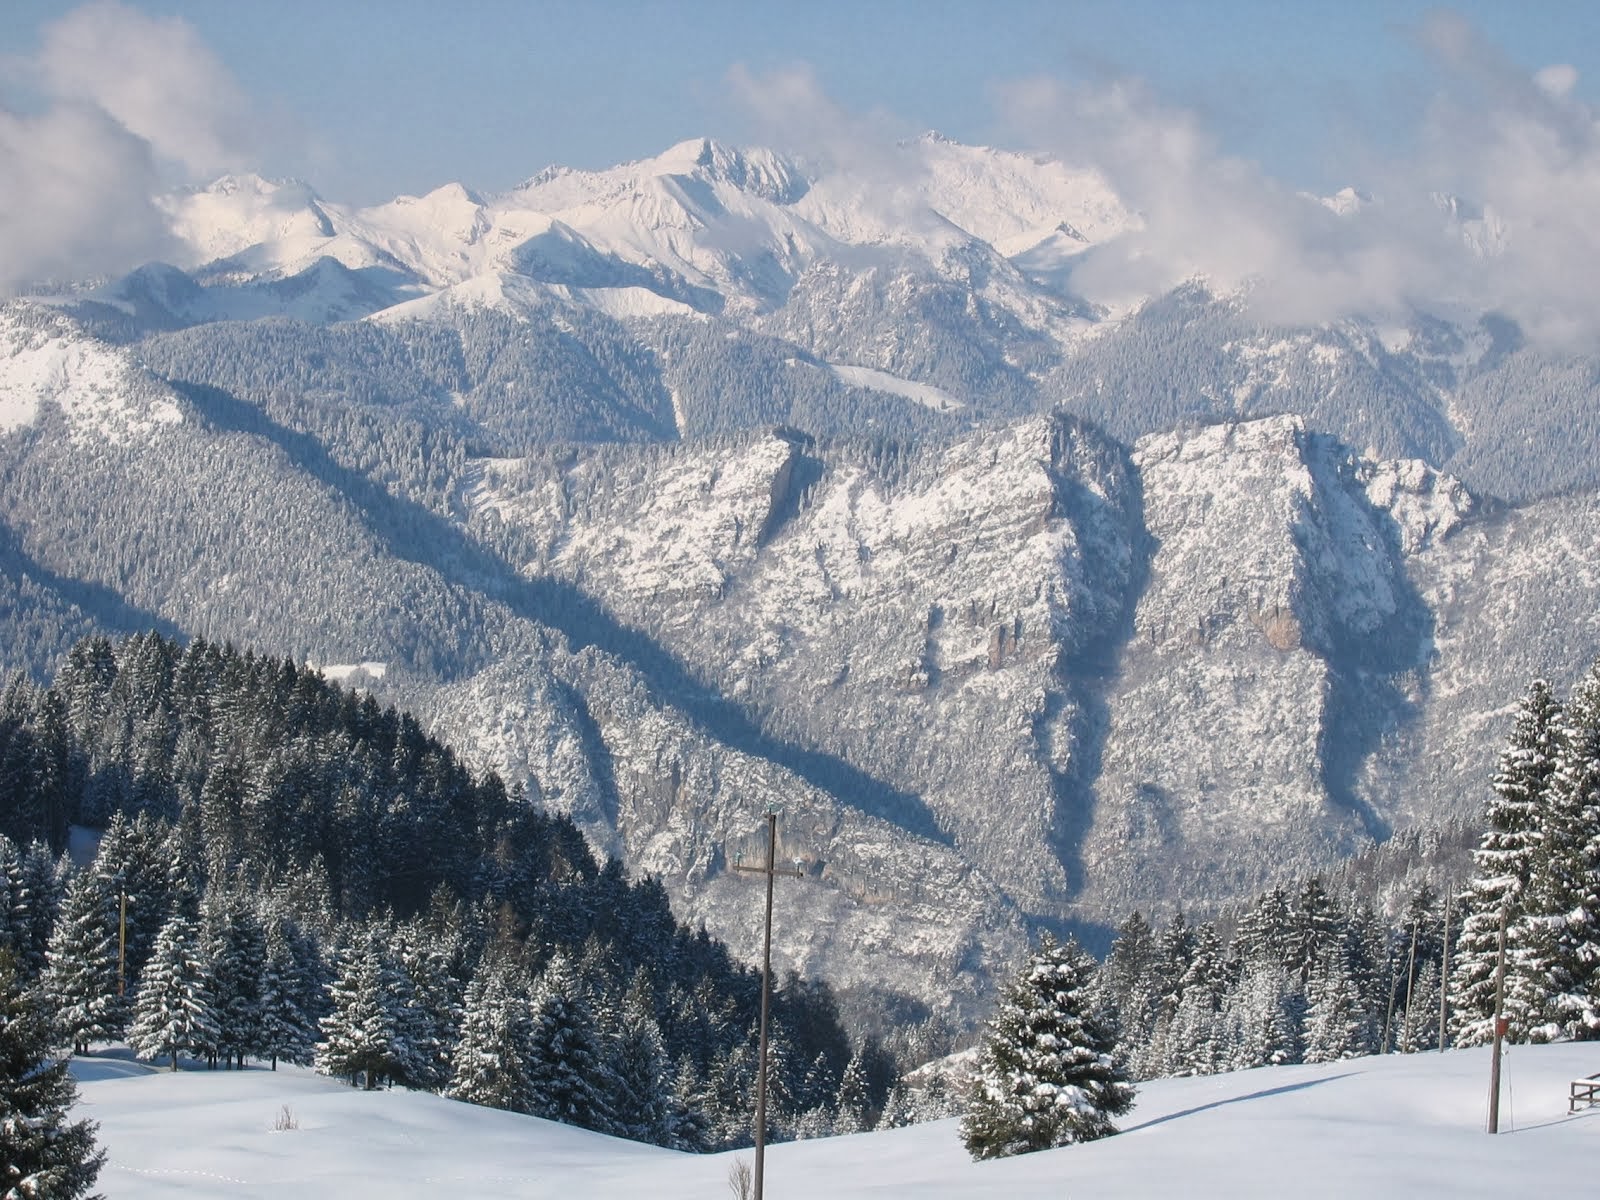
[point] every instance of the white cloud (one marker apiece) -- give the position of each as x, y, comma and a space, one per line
155, 77
1515, 154
125, 99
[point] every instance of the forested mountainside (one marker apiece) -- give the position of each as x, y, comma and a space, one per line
712, 481
309, 875
1023, 674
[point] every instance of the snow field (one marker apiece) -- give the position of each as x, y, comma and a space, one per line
1402, 1126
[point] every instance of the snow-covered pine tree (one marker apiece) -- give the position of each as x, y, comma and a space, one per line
235, 948
1049, 1070
13, 900
1419, 1025
132, 861
43, 1154
1264, 1015
1504, 860
640, 1099
173, 1013
430, 1007
1316, 926
80, 977
688, 1128
567, 1067
1556, 943
286, 1027
1338, 1025
44, 880
362, 1035
850, 1105
730, 1089
1128, 983
491, 1063
1196, 1042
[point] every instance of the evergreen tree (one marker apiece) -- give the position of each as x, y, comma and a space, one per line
43, 1154
688, 1128
567, 1067
1504, 860
492, 1061
1317, 926
362, 1035
235, 950
174, 1013
286, 1027
1128, 987
1419, 1027
44, 883
1265, 1014
1266, 933
131, 863
1338, 1026
14, 901
80, 978
640, 1101
1556, 938
850, 1105
1049, 1071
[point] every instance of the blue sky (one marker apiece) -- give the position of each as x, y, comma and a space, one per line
367, 99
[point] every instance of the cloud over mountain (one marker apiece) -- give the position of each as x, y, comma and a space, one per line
122, 101
1488, 210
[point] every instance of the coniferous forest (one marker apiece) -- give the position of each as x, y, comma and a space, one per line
309, 878
306, 877
1313, 973
1310, 973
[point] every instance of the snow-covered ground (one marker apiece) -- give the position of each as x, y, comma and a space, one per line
1403, 1126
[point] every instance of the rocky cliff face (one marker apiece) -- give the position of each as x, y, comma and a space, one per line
1102, 679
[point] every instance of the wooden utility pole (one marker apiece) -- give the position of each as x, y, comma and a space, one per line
1499, 1026
1411, 981
771, 870
1444, 972
122, 943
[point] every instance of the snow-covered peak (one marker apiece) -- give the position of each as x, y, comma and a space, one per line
704, 224
240, 211
48, 361
1345, 201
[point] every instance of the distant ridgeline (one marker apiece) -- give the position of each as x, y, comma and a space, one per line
310, 877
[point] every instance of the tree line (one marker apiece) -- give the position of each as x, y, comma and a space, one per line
1305, 974
307, 877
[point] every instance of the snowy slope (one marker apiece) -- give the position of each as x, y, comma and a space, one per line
48, 363
1398, 1126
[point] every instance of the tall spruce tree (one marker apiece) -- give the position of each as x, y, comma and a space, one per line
1558, 934
363, 1037
80, 977
492, 1059
1049, 1070
641, 1096
43, 1154
174, 1013
1338, 1026
1504, 861
286, 1027
567, 1065
235, 948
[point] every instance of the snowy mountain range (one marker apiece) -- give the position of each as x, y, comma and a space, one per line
721, 479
